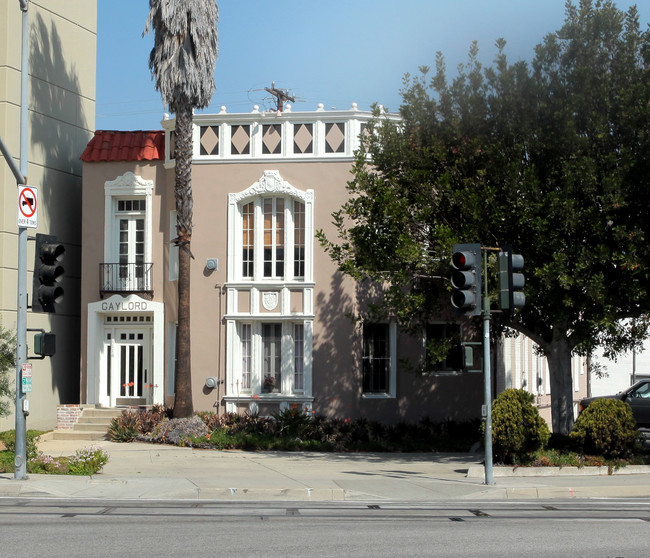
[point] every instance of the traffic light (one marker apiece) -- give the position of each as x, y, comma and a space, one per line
510, 280
48, 273
45, 344
466, 279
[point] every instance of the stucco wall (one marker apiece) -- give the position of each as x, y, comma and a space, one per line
61, 118
336, 341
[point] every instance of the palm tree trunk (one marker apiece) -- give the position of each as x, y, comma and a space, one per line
183, 405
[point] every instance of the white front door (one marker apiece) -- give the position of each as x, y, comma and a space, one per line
131, 374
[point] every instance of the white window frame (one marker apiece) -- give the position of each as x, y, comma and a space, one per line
127, 186
298, 357
271, 185
246, 357
286, 385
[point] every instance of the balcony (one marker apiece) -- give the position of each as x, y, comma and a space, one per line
126, 278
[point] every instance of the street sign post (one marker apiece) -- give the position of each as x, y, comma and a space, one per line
27, 207
26, 377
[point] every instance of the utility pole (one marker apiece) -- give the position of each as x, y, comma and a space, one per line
281, 96
487, 386
20, 462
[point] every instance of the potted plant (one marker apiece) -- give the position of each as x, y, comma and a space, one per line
269, 384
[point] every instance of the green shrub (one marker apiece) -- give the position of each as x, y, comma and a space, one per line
221, 439
48, 465
563, 443
7, 363
210, 418
292, 429
124, 428
227, 439
134, 422
87, 461
517, 429
247, 423
189, 431
606, 427
31, 441
556, 458
293, 422
148, 419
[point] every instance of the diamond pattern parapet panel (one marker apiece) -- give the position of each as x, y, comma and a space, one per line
209, 140
363, 130
272, 139
303, 138
240, 140
335, 137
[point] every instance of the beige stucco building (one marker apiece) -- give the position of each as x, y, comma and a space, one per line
270, 313
270, 325
61, 119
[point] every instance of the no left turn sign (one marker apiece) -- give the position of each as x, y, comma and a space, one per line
27, 207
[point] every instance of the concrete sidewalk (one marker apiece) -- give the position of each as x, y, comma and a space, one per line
161, 472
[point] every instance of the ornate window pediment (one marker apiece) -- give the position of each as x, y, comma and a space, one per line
271, 183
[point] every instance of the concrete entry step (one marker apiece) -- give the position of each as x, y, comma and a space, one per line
94, 420
93, 424
79, 435
101, 412
90, 427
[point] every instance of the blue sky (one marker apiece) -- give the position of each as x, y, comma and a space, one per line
333, 52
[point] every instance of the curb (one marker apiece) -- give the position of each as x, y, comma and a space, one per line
478, 471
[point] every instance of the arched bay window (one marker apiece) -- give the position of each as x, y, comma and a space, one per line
270, 292
269, 238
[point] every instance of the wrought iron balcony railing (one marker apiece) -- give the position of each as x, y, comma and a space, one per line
125, 278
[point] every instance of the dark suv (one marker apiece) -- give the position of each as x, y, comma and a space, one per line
636, 396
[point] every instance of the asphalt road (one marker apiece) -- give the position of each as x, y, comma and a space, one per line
31, 527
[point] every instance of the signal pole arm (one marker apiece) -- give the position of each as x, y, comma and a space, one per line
20, 179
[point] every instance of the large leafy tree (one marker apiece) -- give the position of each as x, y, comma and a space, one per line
7, 363
552, 157
182, 63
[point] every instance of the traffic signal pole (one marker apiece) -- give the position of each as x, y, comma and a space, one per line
468, 274
20, 461
489, 474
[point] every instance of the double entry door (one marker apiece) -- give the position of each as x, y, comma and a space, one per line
130, 374
132, 272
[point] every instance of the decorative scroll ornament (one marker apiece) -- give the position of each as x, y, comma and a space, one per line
129, 180
271, 183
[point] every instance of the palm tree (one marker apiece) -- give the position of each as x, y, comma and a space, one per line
182, 63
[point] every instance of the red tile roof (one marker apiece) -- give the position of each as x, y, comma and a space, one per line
125, 146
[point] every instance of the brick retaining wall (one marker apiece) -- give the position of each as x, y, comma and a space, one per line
67, 416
